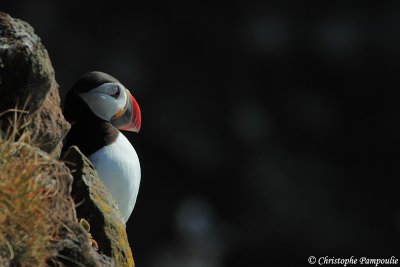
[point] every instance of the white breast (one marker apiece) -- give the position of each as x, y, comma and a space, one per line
118, 167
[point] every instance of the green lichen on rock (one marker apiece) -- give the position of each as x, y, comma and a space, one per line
96, 205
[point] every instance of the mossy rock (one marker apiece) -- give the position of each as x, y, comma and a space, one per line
96, 205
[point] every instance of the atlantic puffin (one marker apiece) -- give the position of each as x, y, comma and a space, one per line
98, 106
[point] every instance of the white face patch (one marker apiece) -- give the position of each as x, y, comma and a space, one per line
106, 100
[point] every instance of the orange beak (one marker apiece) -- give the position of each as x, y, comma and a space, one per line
129, 118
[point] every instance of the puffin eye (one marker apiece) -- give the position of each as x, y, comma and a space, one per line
117, 92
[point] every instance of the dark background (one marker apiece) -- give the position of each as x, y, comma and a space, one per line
268, 132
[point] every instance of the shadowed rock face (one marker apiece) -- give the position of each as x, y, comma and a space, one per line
27, 82
74, 247
48, 124
97, 206
25, 67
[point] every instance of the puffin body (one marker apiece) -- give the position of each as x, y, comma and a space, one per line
118, 166
97, 106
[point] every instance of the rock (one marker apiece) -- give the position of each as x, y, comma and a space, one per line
27, 82
48, 124
95, 204
25, 67
74, 248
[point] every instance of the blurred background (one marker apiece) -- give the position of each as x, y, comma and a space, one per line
268, 131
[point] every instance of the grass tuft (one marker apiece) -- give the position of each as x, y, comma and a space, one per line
34, 197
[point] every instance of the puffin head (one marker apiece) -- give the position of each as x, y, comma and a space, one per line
107, 99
